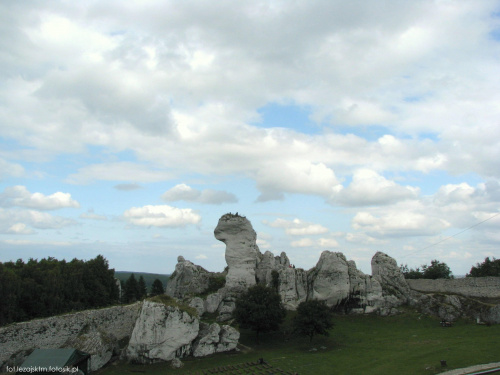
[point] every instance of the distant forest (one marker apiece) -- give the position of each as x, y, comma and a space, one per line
149, 278
48, 287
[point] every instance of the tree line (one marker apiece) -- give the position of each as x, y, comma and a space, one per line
134, 290
440, 270
36, 289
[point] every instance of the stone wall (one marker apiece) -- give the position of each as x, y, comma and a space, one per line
117, 322
473, 287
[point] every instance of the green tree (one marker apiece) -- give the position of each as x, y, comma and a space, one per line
436, 270
259, 309
157, 288
142, 291
487, 268
410, 273
130, 290
313, 317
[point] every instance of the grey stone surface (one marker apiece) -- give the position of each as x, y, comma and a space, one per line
242, 253
54, 332
475, 287
188, 278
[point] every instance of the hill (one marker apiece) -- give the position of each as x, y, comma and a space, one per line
149, 278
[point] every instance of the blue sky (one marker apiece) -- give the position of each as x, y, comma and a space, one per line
128, 130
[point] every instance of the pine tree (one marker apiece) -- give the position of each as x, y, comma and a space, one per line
142, 291
157, 288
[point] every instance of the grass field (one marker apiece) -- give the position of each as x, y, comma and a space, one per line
409, 343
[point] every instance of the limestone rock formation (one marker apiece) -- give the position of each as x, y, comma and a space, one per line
242, 252
161, 333
329, 279
215, 339
387, 272
99, 344
187, 278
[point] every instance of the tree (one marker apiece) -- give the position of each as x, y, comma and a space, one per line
259, 309
313, 317
130, 290
487, 268
157, 288
437, 270
142, 291
410, 273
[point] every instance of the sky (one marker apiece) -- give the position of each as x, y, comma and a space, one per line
128, 129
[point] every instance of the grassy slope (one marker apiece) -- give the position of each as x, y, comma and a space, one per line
404, 344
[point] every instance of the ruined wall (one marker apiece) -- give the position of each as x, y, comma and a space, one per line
53, 332
473, 287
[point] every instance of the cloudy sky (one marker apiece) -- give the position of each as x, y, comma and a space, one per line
128, 128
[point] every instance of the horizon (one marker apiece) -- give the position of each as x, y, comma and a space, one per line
128, 130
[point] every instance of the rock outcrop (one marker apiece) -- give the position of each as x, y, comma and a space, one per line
242, 252
161, 333
187, 278
98, 343
164, 332
115, 325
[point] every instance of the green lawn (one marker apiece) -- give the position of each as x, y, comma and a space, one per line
409, 343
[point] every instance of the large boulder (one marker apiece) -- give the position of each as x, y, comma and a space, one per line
386, 271
161, 333
188, 278
242, 252
100, 345
329, 279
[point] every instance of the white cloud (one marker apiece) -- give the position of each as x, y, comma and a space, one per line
189, 194
297, 227
370, 188
8, 169
20, 228
201, 256
20, 196
118, 171
91, 215
24, 218
161, 216
318, 243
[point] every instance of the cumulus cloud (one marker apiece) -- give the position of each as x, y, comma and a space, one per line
297, 227
208, 196
118, 171
23, 219
20, 196
296, 176
161, 216
315, 243
369, 188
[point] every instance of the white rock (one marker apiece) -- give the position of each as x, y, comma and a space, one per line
161, 333
188, 278
229, 337
329, 280
207, 340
